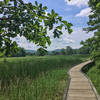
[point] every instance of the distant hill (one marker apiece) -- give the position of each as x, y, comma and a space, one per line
58, 50
34, 51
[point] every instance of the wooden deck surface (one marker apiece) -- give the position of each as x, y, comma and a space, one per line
80, 87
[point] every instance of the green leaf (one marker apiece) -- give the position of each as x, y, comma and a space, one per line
55, 15
60, 27
60, 18
36, 3
53, 12
45, 8
6, 1
40, 6
48, 40
70, 31
65, 22
98, 5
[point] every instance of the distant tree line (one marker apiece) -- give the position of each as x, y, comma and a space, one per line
70, 51
21, 52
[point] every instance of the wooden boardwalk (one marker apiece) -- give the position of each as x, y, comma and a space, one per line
80, 87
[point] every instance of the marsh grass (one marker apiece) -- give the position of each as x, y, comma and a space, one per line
35, 78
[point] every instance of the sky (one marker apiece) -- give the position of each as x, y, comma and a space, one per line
76, 12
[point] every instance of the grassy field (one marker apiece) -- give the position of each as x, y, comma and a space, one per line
35, 78
93, 73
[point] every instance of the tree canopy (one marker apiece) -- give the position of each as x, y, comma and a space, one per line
69, 50
94, 25
29, 20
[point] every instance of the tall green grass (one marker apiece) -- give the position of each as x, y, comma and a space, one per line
93, 73
35, 78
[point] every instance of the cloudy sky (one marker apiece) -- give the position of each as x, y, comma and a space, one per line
76, 12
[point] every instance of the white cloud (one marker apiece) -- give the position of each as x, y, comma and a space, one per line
72, 40
26, 1
78, 35
84, 12
77, 3
22, 42
61, 42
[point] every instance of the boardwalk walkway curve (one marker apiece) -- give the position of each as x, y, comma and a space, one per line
80, 87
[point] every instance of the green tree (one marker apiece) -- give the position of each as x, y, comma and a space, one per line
63, 51
55, 52
84, 50
69, 50
94, 25
75, 51
30, 21
41, 52
19, 53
